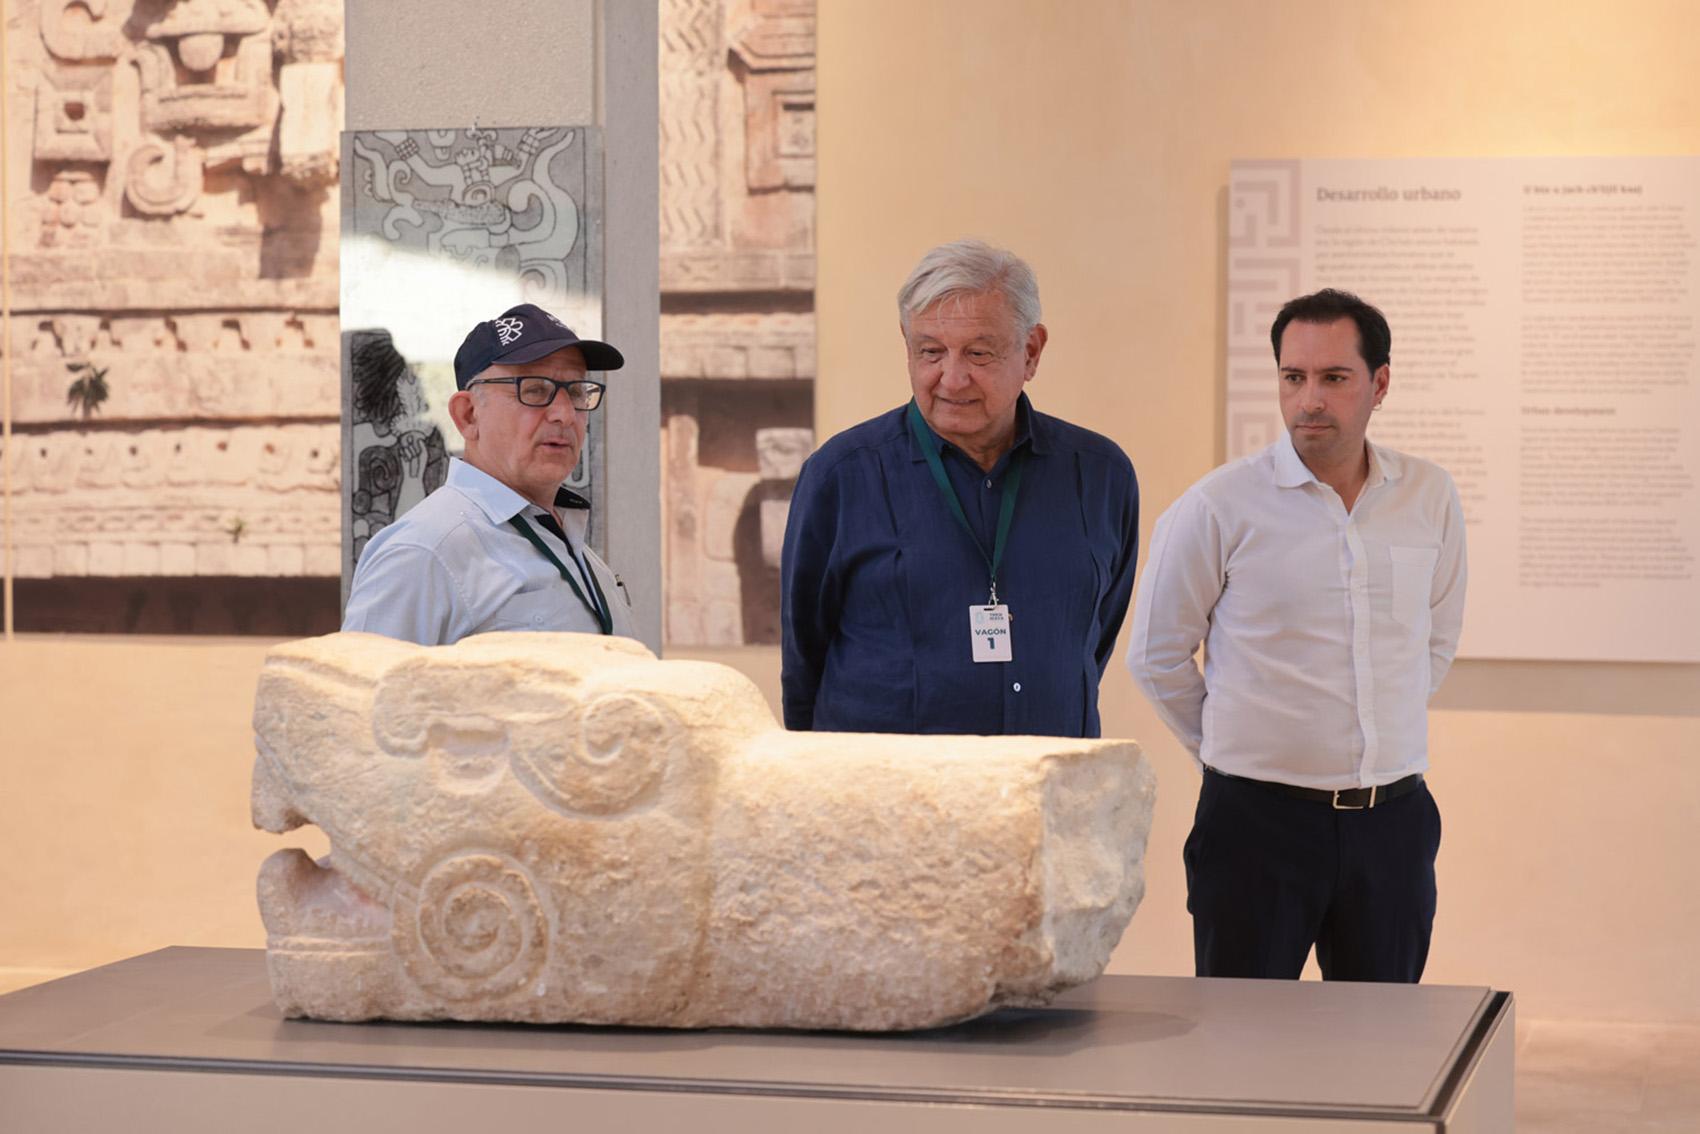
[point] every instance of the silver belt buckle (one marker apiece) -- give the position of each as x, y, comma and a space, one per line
1338, 806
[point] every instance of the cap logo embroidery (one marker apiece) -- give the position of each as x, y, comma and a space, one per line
509, 329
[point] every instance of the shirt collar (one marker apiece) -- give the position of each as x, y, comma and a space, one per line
1384, 464
1291, 471
499, 502
1029, 431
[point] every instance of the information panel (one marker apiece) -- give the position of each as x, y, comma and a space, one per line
1543, 314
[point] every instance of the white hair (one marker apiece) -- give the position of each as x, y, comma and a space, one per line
971, 267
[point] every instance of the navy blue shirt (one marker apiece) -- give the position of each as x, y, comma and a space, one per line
878, 576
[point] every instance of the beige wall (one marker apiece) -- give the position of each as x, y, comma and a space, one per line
124, 799
1095, 138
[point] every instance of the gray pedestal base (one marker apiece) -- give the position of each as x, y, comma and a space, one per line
187, 1040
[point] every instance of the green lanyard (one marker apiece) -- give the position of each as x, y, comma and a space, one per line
1006, 511
604, 618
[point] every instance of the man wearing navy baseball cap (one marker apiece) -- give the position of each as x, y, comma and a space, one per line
501, 545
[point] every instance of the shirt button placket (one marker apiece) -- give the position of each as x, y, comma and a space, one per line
1357, 586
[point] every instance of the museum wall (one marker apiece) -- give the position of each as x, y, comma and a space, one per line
1095, 138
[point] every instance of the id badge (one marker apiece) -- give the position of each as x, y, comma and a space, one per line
989, 628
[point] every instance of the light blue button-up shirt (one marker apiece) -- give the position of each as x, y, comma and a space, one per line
453, 566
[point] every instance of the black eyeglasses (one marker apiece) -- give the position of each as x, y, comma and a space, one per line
536, 390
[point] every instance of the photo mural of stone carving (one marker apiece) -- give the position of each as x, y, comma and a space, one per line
737, 305
397, 454
442, 228
174, 333
560, 828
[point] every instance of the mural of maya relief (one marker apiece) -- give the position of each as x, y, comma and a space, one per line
174, 288
737, 305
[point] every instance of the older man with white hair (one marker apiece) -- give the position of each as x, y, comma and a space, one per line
960, 564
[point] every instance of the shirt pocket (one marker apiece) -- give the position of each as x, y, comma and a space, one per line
1413, 582
528, 610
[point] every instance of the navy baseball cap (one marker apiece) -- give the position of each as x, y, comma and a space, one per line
525, 333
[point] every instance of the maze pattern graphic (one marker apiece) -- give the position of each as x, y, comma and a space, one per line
1265, 269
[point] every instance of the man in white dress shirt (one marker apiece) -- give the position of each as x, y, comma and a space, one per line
501, 545
1325, 578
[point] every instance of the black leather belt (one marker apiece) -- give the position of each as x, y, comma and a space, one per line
1345, 799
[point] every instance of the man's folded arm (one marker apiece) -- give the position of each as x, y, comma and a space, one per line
1113, 609
1171, 615
808, 616
1446, 598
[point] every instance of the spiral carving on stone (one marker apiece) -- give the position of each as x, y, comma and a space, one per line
475, 929
624, 744
164, 179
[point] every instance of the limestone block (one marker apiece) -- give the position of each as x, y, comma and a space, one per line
722, 609
71, 215
71, 559
306, 31
139, 559
106, 559
161, 179
324, 558
285, 560
35, 561
776, 56
683, 621
310, 121
780, 453
207, 384
726, 496
177, 559
771, 362
560, 828
727, 361
250, 558
183, 84
84, 29
216, 557
768, 344
742, 270
73, 116
774, 514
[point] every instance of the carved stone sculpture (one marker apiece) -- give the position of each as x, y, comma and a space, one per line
559, 827
307, 38
73, 116
97, 35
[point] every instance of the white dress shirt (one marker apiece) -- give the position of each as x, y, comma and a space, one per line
1325, 632
453, 565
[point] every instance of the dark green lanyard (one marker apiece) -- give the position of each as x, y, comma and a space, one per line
604, 618
1006, 511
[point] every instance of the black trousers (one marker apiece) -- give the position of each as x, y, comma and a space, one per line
1269, 875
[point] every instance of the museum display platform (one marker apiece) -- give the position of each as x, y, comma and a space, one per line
187, 1040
